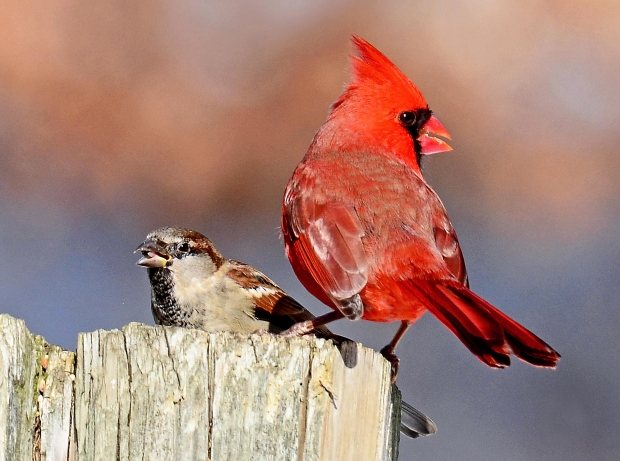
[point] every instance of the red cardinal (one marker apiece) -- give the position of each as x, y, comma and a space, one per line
368, 236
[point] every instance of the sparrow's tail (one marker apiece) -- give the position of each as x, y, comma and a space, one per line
490, 334
414, 423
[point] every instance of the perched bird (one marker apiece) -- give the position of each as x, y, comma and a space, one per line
367, 235
194, 286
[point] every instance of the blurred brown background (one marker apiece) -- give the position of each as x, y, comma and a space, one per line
119, 117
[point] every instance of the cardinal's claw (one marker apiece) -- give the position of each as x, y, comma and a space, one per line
389, 355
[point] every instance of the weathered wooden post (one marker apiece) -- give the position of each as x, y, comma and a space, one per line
160, 393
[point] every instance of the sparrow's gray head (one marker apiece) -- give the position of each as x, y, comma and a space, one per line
167, 244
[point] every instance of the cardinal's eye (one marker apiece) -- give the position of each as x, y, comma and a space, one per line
183, 247
408, 118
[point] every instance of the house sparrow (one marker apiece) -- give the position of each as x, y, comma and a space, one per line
194, 286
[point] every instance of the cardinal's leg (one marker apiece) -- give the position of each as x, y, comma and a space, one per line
388, 351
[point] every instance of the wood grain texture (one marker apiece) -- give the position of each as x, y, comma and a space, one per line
102, 396
55, 386
18, 364
159, 393
349, 410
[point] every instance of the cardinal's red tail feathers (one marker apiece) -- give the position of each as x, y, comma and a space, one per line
524, 344
476, 328
485, 330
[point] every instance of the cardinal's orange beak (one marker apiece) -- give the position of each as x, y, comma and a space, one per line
430, 144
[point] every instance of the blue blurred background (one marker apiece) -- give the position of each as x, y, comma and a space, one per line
120, 117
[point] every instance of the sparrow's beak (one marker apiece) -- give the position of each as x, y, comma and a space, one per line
153, 254
430, 144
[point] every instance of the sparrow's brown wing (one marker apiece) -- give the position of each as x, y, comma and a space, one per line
272, 303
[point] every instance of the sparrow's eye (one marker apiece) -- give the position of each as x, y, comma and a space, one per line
183, 247
408, 118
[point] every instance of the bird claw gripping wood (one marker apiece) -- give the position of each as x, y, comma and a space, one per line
388, 353
299, 329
